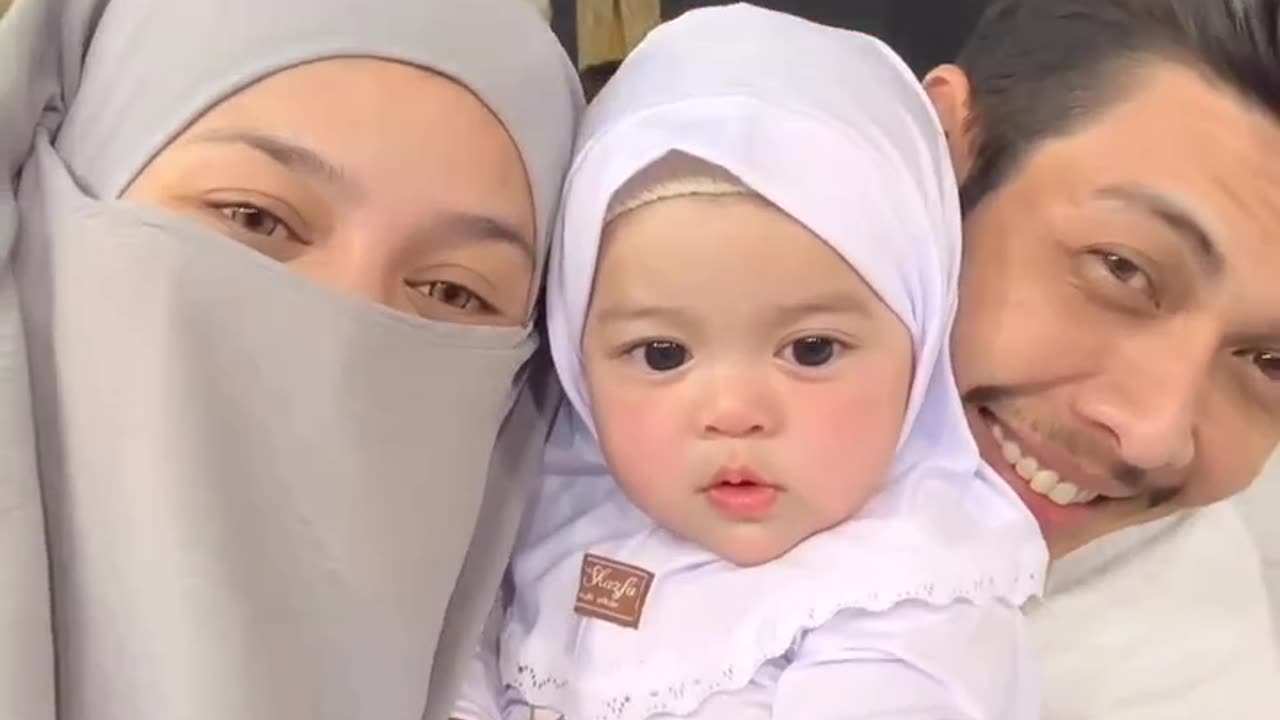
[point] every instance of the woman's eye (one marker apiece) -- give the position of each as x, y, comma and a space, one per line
812, 352
661, 355
252, 219
455, 296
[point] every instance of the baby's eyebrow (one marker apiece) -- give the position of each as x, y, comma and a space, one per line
630, 312
849, 304
827, 304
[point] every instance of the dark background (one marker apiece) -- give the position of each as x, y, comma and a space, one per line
925, 32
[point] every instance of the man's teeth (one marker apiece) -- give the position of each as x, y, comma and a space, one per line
1042, 480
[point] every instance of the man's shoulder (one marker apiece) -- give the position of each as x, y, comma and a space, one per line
1171, 550
1257, 506
1166, 621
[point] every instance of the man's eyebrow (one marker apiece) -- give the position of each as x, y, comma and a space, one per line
1172, 215
455, 226
289, 155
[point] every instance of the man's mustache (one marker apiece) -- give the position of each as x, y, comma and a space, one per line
1131, 476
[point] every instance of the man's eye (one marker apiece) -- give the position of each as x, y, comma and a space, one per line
1126, 271
661, 355
252, 219
1268, 363
455, 296
1115, 278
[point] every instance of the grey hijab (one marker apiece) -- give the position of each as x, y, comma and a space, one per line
226, 492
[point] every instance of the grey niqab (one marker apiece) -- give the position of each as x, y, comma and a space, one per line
255, 498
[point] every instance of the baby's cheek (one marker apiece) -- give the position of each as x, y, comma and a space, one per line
641, 435
853, 433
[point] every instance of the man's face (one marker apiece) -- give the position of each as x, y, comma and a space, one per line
1118, 340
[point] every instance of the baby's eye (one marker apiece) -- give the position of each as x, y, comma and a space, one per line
813, 351
661, 355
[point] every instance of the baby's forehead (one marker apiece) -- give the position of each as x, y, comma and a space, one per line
673, 233
684, 195
718, 234
695, 217
674, 175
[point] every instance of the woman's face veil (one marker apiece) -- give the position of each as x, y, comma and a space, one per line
235, 493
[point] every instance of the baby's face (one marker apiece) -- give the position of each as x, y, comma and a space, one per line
748, 387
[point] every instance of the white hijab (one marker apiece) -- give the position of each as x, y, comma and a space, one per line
261, 500
832, 128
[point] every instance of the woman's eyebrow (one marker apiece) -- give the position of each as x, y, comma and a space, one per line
461, 226
290, 155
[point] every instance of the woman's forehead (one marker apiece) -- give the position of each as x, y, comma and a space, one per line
402, 142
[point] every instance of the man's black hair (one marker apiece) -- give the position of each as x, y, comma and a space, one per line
594, 78
1039, 68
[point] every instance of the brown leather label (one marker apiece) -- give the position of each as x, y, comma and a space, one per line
612, 591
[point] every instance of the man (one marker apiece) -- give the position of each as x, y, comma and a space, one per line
1118, 341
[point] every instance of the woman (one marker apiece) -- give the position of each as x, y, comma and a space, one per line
275, 266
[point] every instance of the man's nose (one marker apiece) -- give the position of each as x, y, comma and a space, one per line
738, 403
1151, 391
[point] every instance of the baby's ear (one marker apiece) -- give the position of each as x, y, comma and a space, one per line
948, 89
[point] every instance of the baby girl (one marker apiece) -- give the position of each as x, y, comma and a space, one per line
762, 500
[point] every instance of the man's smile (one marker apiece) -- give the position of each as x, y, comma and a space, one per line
1061, 490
